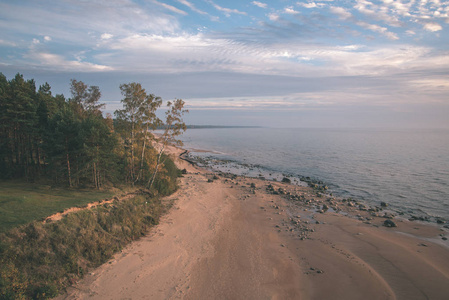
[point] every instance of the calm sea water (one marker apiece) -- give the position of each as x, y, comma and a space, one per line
405, 168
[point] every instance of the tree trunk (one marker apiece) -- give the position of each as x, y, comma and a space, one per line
68, 162
132, 150
151, 181
143, 155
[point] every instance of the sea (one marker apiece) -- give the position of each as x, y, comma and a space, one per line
407, 169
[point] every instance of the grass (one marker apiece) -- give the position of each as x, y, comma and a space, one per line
22, 202
37, 260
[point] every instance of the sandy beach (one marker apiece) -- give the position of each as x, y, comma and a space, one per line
243, 238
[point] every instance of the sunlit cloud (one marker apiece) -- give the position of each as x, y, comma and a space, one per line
106, 36
57, 62
340, 12
310, 4
259, 4
433, 27
273, 16
290, 11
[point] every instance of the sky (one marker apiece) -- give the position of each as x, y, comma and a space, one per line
351, 63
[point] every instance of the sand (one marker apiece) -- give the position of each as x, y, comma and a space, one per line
227, 240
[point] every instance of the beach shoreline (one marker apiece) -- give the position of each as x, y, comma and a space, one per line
234, 237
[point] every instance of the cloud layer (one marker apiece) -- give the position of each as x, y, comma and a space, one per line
363, 41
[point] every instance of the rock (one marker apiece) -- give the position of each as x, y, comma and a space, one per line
388, 216
389, 223
444, 238
383, 204
286, 180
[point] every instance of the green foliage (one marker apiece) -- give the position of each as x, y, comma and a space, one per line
70, 141
165, 182
38, 260
134, 121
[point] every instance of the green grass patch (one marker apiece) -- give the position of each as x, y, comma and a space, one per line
38, 260
22, 202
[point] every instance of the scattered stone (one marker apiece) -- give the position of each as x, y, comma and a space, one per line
423, 245
363, 207
383, 204
388, 216
286, 180
444, 238
389, 223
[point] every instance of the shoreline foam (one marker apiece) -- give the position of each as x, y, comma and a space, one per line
214, 164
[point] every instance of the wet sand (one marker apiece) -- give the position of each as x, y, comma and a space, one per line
240, 238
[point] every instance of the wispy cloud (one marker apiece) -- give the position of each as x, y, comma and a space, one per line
56, 62
192, 7
7, 43
376, 28
226, 11
170, 7
259, 4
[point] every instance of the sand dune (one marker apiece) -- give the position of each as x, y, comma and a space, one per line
227, 240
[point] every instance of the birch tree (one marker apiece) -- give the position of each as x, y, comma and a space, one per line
130, 116
149, 122
174, 126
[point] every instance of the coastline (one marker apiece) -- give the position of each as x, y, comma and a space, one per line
236, 237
